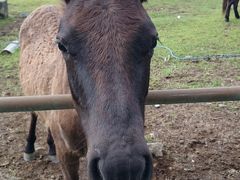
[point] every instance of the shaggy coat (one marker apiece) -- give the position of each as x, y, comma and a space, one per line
43, 72
100, 52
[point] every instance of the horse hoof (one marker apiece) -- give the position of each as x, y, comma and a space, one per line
53, 158
28, 156
226, 20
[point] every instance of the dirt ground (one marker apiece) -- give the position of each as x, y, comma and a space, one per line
200, 141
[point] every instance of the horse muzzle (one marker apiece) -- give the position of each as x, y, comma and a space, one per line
121, 167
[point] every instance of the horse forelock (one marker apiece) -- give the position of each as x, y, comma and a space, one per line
64, 2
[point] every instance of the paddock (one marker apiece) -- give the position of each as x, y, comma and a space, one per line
190, 134
192, 125
200, 140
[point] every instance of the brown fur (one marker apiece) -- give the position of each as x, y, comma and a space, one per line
107, 48
39, 60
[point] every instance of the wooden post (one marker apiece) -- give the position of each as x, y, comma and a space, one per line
3, 9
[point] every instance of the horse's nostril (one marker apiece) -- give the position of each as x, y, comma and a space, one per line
94, 172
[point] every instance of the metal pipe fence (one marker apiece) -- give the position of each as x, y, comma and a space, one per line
174, 96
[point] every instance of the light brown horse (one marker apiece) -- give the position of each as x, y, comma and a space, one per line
226, 7
100, 51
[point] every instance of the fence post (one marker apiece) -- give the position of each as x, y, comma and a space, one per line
3, 9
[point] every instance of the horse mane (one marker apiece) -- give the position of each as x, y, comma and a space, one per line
64, 2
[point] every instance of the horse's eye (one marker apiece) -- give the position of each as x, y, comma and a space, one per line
62, 47
154, 42
61, 44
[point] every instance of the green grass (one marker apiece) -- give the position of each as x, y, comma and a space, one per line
9, 63
17, 6
199, 31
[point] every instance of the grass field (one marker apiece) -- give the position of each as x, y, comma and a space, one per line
188, 27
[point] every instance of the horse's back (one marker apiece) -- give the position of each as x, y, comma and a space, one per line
42, 68
39, 56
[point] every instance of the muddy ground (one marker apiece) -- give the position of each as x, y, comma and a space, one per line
200, 141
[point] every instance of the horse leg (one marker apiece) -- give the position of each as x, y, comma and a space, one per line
29, 149
69, 165
51, 148
227, 14
68, 158
235, 7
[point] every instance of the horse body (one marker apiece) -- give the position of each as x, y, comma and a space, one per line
227, 4
106, 47
43, 72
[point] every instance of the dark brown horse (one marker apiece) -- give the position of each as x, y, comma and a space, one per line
104, 61
227, 4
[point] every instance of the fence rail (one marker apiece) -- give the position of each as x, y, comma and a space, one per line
174, 96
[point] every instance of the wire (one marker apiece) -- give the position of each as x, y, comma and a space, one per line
195, 58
